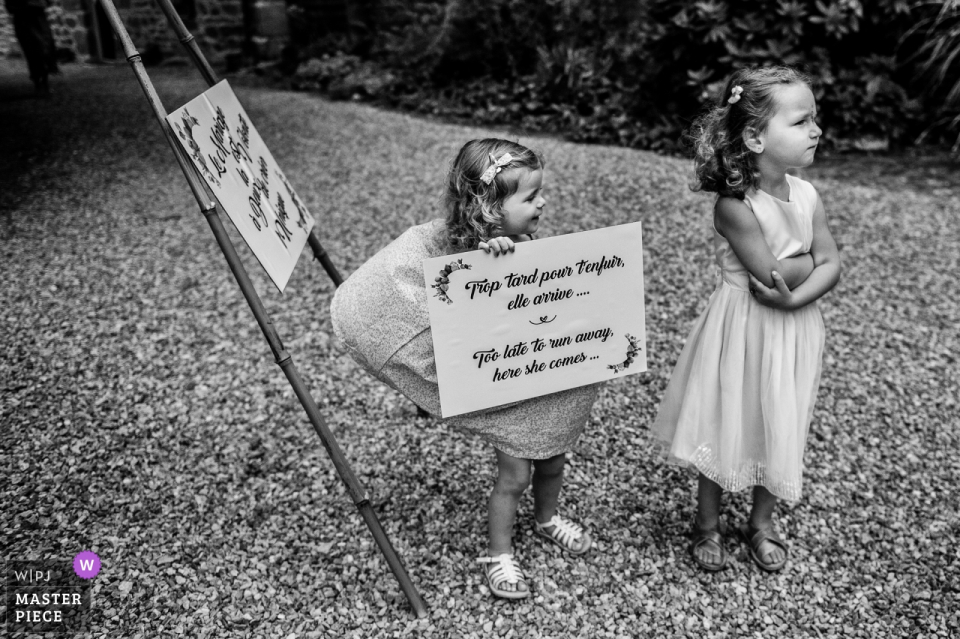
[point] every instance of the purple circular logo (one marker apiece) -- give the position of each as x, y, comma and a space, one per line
86, 564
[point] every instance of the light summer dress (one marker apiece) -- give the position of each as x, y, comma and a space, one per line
740, 400
380, 314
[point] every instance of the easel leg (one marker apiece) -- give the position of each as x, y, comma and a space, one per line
283, 359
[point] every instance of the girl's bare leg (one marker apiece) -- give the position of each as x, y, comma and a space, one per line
708, 503
708, 515
547, 482
761, 518
513, 477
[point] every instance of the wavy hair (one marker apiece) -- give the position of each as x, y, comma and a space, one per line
722, 162
474, 209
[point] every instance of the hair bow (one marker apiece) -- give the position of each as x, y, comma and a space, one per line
735, 94
496, 167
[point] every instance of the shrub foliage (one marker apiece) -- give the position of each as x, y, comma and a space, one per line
636, 72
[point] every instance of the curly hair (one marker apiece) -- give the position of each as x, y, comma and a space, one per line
475, 209
722, 162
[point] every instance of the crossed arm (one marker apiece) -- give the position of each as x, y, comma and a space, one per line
789, 283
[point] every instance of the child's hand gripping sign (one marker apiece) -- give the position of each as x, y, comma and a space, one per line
557, 313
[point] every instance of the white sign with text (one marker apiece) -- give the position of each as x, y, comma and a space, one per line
239, 169
557, 313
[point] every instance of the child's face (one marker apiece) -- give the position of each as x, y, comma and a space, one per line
791, 136
521, 211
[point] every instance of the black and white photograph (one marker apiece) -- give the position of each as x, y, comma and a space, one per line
523, 319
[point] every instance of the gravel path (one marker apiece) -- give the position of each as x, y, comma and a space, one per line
143, 418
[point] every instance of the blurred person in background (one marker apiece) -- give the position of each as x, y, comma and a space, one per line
36, 40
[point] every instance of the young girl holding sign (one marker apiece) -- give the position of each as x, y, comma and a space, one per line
494, 199
739, 403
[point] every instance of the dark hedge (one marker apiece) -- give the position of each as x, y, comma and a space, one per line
635, 73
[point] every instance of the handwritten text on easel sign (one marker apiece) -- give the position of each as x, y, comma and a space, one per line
239, 169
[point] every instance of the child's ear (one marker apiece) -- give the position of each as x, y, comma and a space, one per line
753, 140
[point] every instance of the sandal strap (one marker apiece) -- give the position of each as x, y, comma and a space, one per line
564, 531
505, 570
703, 536
761, 535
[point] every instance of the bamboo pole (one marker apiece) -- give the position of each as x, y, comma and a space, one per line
209, 208
210, 76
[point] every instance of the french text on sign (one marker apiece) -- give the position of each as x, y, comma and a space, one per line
227, 151
555, 314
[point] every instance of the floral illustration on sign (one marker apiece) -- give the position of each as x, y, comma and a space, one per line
632, 351
189, 122
442, 283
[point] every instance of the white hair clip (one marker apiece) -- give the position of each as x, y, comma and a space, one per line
735, 94
496, 167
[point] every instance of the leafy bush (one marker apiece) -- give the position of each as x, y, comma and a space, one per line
936, 39
343, 76
636, 72
849, 54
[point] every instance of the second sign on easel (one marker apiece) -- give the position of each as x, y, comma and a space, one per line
236, 164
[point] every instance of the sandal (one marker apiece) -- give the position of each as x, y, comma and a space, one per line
564, 533
701, 537
502, 570
755, 538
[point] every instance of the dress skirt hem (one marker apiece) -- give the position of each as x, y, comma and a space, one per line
739, 403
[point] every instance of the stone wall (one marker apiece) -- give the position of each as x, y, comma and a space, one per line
217, 26
8, 43
62, 24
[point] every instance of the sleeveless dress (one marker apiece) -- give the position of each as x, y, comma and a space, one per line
380, 314
739, 403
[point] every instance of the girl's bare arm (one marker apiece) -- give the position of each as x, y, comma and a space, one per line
736, 222
825, 275
795, 270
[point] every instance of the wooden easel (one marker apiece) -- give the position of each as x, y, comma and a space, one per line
210, 209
